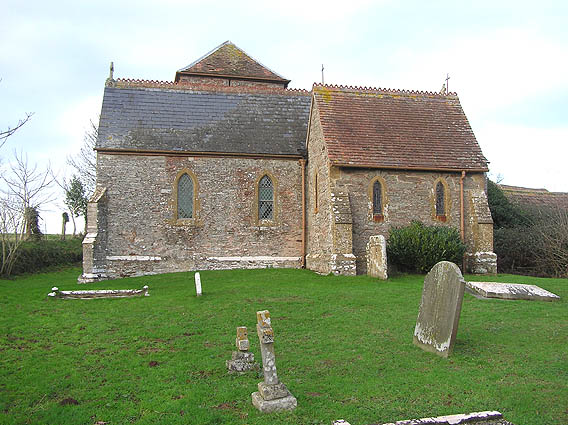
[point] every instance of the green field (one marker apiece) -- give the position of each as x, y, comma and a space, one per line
343, 346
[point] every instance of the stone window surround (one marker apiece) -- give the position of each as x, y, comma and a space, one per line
377, 217
441, 217
275, 210
192, 220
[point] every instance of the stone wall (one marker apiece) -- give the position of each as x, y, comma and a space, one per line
143, 235
328, 211
408, 195
226, 82
319, 244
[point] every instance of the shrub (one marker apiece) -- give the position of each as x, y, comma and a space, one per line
417, 248
34, 256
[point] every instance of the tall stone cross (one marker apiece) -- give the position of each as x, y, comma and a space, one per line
272, 395
266, 336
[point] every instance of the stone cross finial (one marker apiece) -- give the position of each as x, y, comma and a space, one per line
242, 339
272, 394
266, 336
111, 75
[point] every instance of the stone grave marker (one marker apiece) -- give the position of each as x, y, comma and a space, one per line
272, 395
439, 314
509, 291
198, 284
377, 257
242, 360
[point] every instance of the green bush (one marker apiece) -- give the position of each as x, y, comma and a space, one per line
34, 256
417, 248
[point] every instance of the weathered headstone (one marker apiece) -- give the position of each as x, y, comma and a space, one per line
439, 314
198, 284
272, 395
377, 257
242, 360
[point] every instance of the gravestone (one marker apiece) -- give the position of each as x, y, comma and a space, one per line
509, 291
377, 257
272, 395
242, 360
439, 314
198, 284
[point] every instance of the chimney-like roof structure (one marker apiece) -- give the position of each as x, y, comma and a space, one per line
228, 61
378, 128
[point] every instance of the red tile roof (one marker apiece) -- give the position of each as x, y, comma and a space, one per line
380, 128
229, 61
526, 196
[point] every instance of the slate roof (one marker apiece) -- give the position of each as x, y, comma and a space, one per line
535, 197
163, 117
380, 128
228, 60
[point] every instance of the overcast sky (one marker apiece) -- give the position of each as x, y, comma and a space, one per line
507, 60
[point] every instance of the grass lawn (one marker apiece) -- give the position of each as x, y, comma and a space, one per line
343, 347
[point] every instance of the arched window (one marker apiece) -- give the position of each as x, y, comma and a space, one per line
185, 197
440, 200
265, 199
377, 199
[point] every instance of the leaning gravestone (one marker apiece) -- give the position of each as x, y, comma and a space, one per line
439, 314
242, 360
377, 257
198, 284
272, 394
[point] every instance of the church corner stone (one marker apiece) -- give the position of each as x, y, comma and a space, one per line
440, 308
377, 257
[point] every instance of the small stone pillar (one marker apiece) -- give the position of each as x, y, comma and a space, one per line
377, 257
198, 284
272, 394
242, 360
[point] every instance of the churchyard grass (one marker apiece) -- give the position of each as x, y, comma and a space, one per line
343, 348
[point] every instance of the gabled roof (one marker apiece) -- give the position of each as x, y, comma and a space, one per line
379, 128
526, 196
163, 117
227, 60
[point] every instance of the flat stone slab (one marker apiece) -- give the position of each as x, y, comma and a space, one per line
479, 418
267, 406
98, 293
510, 291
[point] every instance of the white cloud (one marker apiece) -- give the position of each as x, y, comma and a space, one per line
527, 156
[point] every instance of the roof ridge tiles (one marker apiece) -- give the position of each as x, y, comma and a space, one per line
384, 90
142, 83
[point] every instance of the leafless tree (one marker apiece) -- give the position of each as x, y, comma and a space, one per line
552, 229
85, 162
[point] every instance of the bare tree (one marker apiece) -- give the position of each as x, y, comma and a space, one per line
11, 130
29, 185
12, 227
552, 229
85, 162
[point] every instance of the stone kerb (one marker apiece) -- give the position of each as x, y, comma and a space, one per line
98, 293
439, 314
377, 257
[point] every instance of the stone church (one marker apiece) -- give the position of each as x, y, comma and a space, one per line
225, 167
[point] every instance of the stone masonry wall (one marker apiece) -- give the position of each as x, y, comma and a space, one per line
144, 237
319, 247
408, 195
190, 79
